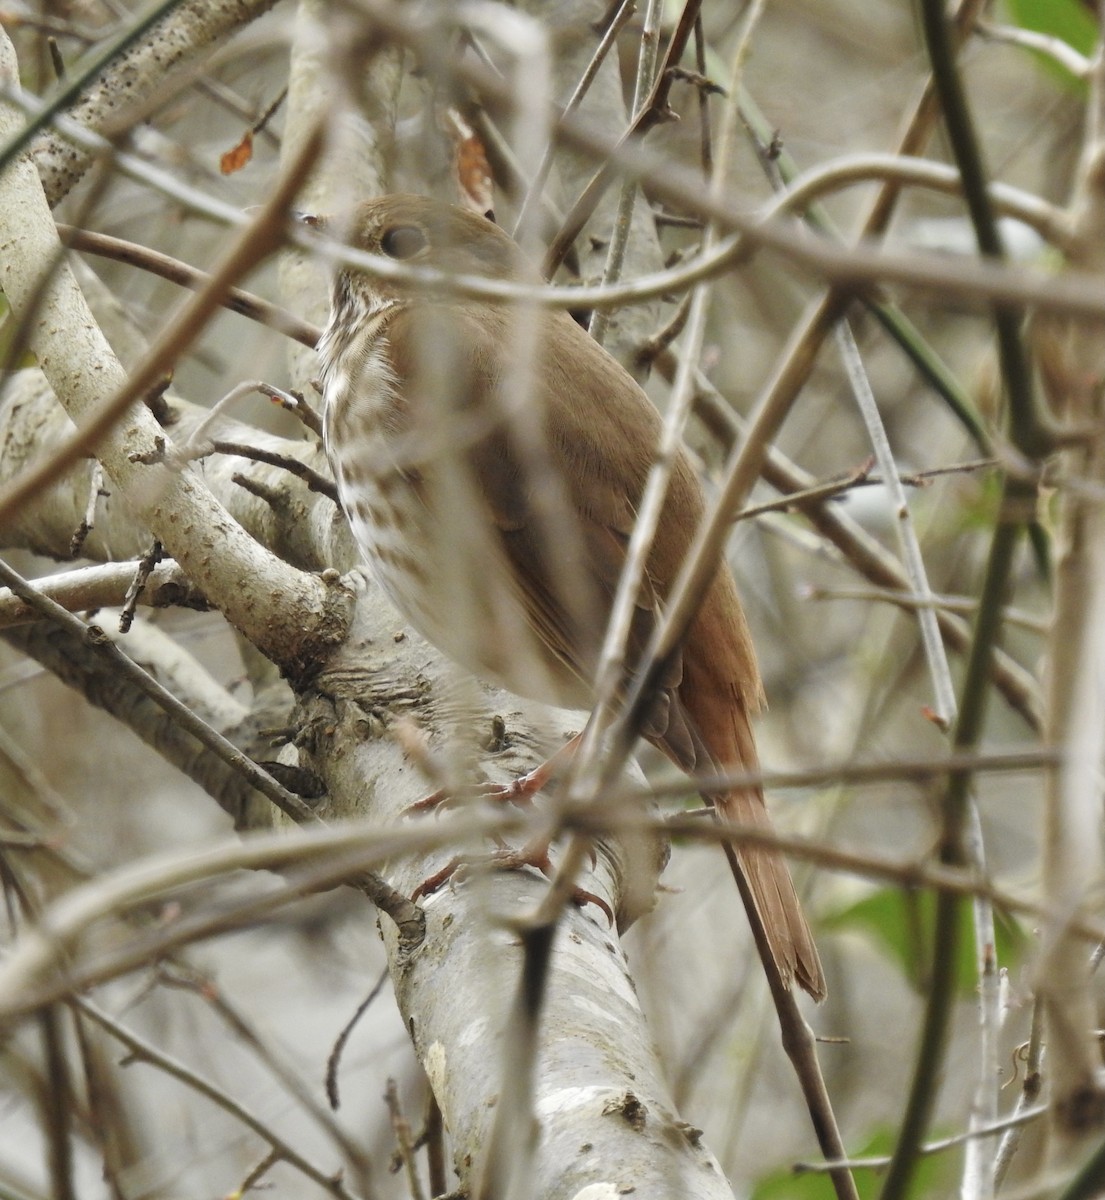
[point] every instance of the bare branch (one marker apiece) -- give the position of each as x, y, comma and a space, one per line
119, 96
71, 337
104, 587
142, 1050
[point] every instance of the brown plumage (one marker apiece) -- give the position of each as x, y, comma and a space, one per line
500, 534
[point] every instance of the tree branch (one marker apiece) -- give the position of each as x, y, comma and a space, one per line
117, 96
92, 385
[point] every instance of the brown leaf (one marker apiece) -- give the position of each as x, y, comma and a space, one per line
474, 182
236, 159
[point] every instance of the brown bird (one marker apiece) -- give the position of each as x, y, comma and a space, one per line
490, 459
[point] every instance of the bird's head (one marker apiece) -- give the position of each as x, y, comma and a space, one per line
423, 233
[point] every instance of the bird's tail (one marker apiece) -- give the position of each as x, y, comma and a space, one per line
773, 907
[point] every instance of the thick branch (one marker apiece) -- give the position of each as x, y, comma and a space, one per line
124, 91
597, 1080
103, 587
78, 666
304, 528
243, 580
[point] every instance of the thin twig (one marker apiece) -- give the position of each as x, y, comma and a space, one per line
1029, 39
663, 338
144, 1051
624, 10
401, 1127
1006, 1124
56, 1098
805, 189
337, 851
233, 102
175, 271
207, 990
852, 773
1030, 435
333, 1059
182, 453
1030, 1093
293, 806
257, 1173
259, 240
912, 558
95, 491
959, 604
647, 54
294, 403
706, 154
315, 481
146, 566
103, 586
651, 113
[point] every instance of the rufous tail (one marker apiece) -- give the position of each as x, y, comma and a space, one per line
767, 889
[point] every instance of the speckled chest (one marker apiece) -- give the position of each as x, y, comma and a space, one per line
366, 433
415, 511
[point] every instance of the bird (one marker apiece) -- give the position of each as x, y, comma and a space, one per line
490, 458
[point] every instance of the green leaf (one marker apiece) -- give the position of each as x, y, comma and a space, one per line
901, 923
1067, 20
935, 1176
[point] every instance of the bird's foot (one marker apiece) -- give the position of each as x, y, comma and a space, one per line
519, 792
533, 854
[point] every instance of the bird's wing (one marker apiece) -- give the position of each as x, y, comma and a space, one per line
566, 522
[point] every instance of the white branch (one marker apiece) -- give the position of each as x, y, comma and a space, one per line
120, 95
86, 376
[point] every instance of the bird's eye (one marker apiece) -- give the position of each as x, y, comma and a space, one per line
402, 241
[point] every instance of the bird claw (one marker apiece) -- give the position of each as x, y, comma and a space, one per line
519, 792
506, 859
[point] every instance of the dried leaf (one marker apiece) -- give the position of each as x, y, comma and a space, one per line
236, 159
474, 182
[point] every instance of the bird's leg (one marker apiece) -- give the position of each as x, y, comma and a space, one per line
520, 791
533, 854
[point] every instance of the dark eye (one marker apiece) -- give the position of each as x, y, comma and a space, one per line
402, 241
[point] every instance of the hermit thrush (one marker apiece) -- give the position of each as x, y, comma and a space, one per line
490, 461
